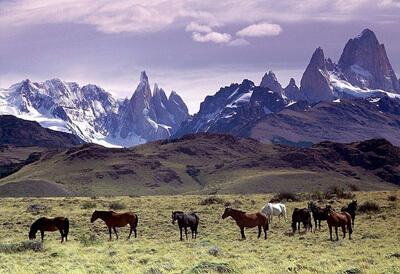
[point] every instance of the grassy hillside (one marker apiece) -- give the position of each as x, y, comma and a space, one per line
205, 164
373, 249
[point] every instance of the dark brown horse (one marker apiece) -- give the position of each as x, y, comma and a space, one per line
184, 221
336, 219
319, 214
301, 215
247, 220
113, 220
50, 224
351, 208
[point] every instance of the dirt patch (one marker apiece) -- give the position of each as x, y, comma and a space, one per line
33, 188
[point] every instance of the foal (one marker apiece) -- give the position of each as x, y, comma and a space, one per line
185, 221
113, 220
336, 219
247, 220
47, 224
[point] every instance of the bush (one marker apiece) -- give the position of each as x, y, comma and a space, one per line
210, 267
37, 209
392, 198
88, 205
211, 200
369, 207
338, 192
286, 196
35, 246
117, 206
235, 203
354, 187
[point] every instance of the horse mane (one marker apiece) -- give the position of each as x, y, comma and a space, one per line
178, 212
237, 210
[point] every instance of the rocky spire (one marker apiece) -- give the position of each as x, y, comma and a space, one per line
364, 62
315, 84
292, 91
270, 81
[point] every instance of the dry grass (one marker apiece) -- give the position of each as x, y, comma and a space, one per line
158, 250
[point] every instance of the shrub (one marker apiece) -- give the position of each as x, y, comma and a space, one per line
211, 200
338, 192
88, 205
117, 206
369, 207
37, 209
286, 196
210, 267
392, 198
235, 203
354, 187
35, 246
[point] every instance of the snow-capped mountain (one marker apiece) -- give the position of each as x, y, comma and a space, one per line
93, 114
360, 83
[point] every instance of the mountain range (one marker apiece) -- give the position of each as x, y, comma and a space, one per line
93, 115
357, 98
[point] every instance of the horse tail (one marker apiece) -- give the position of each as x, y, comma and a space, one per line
349, 224
136, 220
66, 228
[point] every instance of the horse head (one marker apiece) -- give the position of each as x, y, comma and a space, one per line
175, 215
32, 233
353, 205
95, 216
227, 213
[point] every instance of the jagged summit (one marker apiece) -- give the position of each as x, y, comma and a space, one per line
143, 77
270, 81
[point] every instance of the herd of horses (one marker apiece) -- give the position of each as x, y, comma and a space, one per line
343, 219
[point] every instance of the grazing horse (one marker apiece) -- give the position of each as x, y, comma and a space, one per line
185, 221
247, 220
319, 214
301, 215
336, 219
50, 224
351, 209
113, 220
274, 209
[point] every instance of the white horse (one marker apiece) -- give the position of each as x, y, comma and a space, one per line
272, 209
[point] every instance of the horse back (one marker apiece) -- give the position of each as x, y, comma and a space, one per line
121, 219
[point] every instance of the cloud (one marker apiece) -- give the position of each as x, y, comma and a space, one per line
195, 27
260, 30
239, 42
215, 37
140, 16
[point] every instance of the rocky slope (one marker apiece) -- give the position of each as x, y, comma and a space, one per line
209, 163
92, 114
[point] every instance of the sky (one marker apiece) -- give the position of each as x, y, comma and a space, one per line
191, 46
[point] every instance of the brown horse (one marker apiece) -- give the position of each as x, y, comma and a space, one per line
47, 224
336, 219
248, 220
113, 220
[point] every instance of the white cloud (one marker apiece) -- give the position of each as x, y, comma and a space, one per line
260, 30
195, 27
138, 16
215, 37
239, 42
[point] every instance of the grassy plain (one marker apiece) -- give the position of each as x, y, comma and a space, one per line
374, 248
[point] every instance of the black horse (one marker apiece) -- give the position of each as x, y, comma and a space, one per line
301, 215
319, 214
351, 209
50, 224
185, 221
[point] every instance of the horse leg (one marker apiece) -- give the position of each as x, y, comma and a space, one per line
330, 232
109, 231
180, 230
42, 234
242, 233
336, 231
62, 235
259, 231
319, 225
115, 231
130, 232
344, 231
186, 232
265, 231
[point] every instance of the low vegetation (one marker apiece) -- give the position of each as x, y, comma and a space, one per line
218, 248
369, 207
